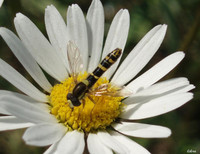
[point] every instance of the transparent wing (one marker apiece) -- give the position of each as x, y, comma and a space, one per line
110, 90
74, 59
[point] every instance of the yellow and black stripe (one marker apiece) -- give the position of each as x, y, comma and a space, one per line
110, 59
82, 87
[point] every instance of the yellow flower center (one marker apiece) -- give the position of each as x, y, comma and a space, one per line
95, 112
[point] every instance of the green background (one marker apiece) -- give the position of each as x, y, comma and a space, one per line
183, 34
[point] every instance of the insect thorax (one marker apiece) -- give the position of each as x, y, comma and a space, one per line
80, 89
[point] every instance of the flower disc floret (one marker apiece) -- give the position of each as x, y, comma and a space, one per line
95, 112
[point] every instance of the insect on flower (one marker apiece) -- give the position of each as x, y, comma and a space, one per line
85, 87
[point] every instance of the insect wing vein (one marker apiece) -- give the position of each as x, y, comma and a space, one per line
110, 90
75, 60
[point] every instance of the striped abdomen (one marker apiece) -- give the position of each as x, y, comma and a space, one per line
110, 59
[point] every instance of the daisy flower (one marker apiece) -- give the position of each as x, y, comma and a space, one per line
100, 123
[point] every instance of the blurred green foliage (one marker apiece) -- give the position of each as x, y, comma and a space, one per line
183, 20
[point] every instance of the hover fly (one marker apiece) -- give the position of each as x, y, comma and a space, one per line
85, 87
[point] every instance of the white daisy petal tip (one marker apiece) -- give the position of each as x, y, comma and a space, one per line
190, 95
126, 14
163, 30
50, 8
192, 87
180, 53
96, 3
164, 132
125, 11
19, 15
178, 56
75, 6
164, 26
168, 133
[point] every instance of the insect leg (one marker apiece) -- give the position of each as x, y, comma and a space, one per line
91, 99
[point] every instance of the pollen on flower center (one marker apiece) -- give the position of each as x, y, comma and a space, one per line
96, 112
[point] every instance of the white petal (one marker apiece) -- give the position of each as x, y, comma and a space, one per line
133, 147
57, 32
11, 123
10, 94
25, 58
39, 47
112, 143
140, 55
11, 75
1, 2
156, 72
3, 111
14, 95
164, 86
117, 37
142, 130
77, 31
95, 29
44, 134
168, 87
157, 106
72, 142
52, 149
23, 109
95, 146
